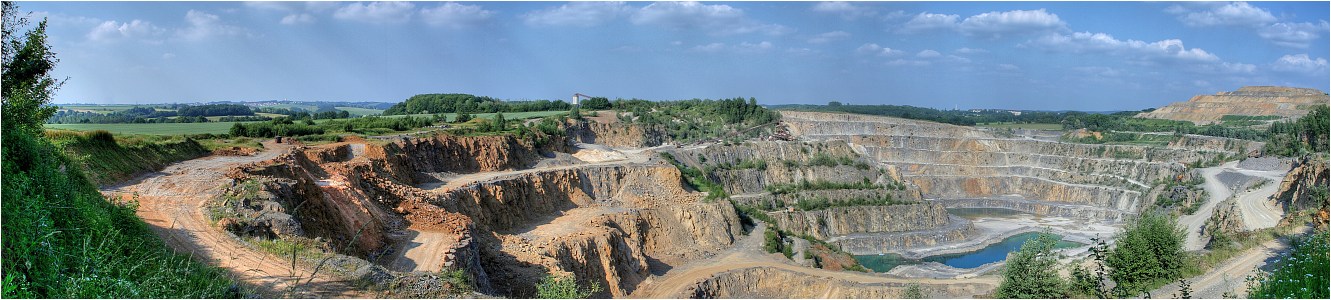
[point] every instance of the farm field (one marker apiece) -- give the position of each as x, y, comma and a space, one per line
357, 111
224, 127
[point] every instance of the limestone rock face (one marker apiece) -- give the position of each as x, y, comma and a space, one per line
1297, 189
1248, 101
1227, 219
616, 134
837, 221
958, 162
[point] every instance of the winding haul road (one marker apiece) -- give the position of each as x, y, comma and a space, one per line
1257, 212
173, 201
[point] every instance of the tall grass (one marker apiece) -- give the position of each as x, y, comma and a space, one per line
109, 159
63, 239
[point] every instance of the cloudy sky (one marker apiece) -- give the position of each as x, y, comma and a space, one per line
1021, 55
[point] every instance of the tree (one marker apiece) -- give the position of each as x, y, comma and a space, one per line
1149, 253
1032, 272
27, 82
500, 123
462, 117
564, 287
596, 103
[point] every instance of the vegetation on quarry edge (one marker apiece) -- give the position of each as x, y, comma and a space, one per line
61, 237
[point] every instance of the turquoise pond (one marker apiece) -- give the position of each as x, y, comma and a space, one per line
992, 253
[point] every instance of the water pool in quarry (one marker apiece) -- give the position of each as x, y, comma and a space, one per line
989, 254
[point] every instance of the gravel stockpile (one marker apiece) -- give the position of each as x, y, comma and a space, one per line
1236, 181
1265, 163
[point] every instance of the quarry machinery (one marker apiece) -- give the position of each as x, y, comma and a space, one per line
578, 96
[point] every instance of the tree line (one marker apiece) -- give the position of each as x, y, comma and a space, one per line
460, 103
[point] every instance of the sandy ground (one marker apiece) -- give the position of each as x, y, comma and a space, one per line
172, 203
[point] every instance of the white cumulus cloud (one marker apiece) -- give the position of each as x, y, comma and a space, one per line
929, 21
1226, 14
844, 9
1171, 50
578, 14
454, 15
718, 19
875, 49
998, 24
376, 12
202, 25
1294, 35
136, 29
301, 18
828, 37
1301, 63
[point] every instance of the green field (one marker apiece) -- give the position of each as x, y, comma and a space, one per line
225, 127
357, 111
102, 109
152, 128
1036, 126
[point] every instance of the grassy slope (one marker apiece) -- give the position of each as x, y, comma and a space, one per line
108, 160
62, 239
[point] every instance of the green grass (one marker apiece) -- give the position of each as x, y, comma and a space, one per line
357, 111
1300, 275
152, 128
1035, 126
105, 109
63, 239
225, 127
108, 159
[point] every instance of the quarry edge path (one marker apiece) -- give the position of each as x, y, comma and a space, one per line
172, 201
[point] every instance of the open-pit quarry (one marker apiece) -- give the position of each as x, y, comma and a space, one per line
607, 207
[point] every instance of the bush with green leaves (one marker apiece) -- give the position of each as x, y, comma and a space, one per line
1148, 254
1032, 272
564, 287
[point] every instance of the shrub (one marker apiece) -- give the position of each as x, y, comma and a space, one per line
1032, 273
564, 287
1148, 254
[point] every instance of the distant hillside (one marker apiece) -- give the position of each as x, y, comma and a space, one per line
1285, 102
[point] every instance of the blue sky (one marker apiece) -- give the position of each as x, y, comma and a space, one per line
1020, 55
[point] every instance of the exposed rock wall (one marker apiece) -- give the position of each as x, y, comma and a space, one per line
447, 153
948, 161
1297, 189
507, 202
786, 162
615, 134
833, 196
335, 213
837, 221
956, 229
1247, 101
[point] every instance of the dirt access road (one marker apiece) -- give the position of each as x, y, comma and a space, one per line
1230, 276
748, 253
1257, 212
172, 203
